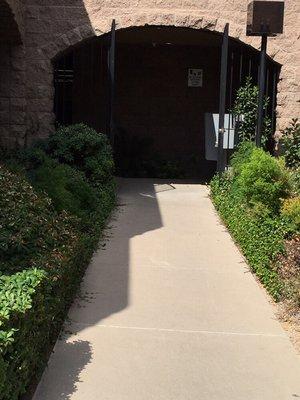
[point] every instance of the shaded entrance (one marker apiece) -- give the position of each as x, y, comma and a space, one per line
159, 113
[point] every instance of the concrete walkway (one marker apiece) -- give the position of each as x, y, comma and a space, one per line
169, 311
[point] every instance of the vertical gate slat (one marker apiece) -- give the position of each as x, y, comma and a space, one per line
223, 83
111, 71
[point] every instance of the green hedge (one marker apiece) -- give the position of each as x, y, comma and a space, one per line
248, 199
260, 237
48, 235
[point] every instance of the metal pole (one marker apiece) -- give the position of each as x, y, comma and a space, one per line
261, 88
274, 101
112, 81
223, 83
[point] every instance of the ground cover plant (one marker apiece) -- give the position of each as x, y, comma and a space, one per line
54, 200
258, 203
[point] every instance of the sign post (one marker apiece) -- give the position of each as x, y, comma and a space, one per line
222, 101
111, 71
265, 18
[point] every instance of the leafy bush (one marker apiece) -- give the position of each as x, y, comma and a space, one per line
36, 244
295, 180
84, 149
29, 225
263, 179
260, 236
16, 295
248, 198
45, 245
291, 211
291, 144
68, 188
241, 155
246, 105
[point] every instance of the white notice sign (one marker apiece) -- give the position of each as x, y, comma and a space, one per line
195, 77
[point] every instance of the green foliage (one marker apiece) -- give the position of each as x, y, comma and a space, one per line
248, 198
260, 236
45, 245
291, 212
295, 180
68, 188
263, 179
291, 144
34, 239
84, 149
246, 104
29, 226
241, 155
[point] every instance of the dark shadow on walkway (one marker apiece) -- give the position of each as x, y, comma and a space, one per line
75, 356
105, 288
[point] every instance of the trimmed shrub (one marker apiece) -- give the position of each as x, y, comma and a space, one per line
241, 155
248, 198
37, 245
260, 236
84, 149
29, 225
68, 188
263, 179
48, 235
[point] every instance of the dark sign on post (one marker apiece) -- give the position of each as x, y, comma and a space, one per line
265, 18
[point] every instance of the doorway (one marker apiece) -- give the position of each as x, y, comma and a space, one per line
167, 80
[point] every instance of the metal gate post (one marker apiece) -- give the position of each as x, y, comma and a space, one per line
111, 72
261, 86
223, 84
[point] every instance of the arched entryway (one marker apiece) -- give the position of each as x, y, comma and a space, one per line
167, 81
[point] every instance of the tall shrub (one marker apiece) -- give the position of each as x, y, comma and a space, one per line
246, 105
262, 179
84, 149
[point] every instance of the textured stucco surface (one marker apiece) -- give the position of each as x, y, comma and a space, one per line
51, 27
12, 72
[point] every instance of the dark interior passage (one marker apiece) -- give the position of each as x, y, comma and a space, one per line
159, 110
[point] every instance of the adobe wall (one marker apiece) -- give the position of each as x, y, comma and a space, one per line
51, 27
17, 8
12, 73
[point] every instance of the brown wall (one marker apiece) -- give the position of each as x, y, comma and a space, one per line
12, 73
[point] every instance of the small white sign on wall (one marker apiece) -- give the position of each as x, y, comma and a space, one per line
195, 77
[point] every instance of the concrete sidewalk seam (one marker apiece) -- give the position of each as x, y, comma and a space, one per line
191, 331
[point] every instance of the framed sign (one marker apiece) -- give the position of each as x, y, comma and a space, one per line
195, 77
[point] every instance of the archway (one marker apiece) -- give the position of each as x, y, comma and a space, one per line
167, 81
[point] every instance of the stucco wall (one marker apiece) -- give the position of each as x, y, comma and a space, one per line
52, 27
12, 73
17, 8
